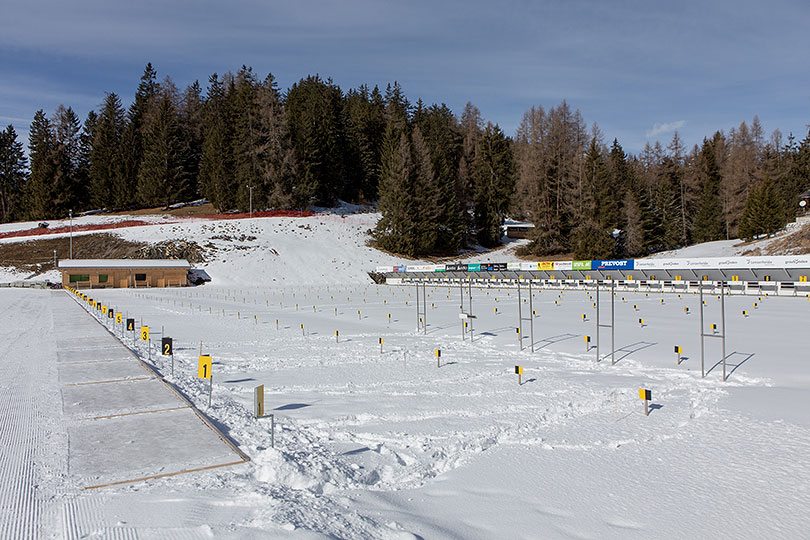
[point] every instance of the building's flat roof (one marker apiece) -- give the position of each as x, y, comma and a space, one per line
124, 263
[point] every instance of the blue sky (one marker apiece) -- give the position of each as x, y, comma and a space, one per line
639, 69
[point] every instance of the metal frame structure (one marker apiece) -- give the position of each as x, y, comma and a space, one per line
721, 335
521, 318
611, 325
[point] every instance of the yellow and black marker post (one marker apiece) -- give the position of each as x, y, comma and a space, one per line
646, 395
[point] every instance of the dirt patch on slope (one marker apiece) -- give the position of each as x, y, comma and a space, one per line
37, 256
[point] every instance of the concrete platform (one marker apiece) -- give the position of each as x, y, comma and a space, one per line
127, 424
137, 446
96, 400
98, 369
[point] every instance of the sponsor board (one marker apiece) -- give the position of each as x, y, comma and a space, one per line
473, 267
493, 267
385, 269
513, 266
529, 266
581, 265
456, 267
439, 267
618, 264
563, 265
545, 265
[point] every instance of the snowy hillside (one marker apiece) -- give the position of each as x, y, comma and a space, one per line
327, 247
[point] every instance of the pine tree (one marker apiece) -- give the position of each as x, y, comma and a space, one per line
707, 224
106, 175
247, 139
131, 153
279, 168
494, 183
313, 113
67, 189
425, 196
396, 231
762, 212
12, 175
216, 163
364, 114
42, 152
441, 134
82, 185
162, 177
190, 117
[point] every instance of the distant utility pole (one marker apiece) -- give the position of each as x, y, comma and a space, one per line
250, 189
71, 233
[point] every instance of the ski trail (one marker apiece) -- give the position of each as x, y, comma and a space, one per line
21, 426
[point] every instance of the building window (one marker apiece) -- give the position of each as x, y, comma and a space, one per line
102, 278
140, 277
77, 278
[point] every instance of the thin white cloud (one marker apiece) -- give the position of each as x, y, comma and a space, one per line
659, 128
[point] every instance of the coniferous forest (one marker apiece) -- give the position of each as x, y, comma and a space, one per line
441, 180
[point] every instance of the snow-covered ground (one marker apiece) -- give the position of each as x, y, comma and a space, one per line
389, 445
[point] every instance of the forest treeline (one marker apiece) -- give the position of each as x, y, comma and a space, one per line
441, 181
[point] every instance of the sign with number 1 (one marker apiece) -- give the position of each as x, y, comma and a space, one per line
204, 367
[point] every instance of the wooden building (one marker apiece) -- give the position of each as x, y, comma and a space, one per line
518, 230
123, 273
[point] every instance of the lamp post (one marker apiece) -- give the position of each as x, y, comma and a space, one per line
71, 233
250, 189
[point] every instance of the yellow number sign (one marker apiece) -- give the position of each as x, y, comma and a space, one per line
103, 310
204, 367
118, 318
144, 333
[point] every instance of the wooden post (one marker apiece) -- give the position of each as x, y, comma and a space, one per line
258, 401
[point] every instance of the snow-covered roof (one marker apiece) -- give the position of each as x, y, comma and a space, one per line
124, 263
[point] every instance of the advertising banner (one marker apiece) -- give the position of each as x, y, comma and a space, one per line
473, 267
545, 265
513, 266
456, 267
439, 268
581, 265
563, 265
619, 264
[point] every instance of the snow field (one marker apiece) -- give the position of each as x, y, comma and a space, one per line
363, 434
